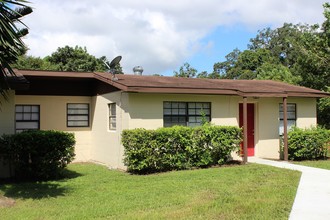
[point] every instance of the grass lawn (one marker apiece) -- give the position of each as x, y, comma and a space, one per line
324, 164
94, 192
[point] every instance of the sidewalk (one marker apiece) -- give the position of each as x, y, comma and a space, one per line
313, 195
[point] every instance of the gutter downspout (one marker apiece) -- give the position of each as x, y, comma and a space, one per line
285, 128
121, 130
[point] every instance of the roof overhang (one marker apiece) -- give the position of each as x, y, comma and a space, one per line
18, 82
169, 85
14, 81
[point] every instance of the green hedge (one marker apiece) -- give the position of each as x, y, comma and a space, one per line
308, 144
178, 147
38, 155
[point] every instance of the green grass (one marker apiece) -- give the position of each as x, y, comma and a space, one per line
94, 192
324, 164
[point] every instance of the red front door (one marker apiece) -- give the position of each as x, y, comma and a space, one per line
250, 126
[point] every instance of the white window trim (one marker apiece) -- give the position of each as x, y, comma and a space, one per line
112, 117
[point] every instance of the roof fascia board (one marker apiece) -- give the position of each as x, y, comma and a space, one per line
253, 94
314, 95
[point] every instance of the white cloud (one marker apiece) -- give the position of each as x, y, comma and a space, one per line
158, 35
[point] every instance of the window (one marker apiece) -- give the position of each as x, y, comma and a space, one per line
291, 112
27, 117
112, 116
78, 115
186, 113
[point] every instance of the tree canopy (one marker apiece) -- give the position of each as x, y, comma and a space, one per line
294, 53
186, 71
297, 54
75, 59
33, 63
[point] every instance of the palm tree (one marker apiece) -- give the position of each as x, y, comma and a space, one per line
11, 44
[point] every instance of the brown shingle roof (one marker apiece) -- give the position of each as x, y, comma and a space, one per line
160, 84
254, 88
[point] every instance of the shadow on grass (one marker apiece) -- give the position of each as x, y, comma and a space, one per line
69, 174
38, 189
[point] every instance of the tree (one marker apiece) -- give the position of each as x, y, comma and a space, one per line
314, 59
65, 59
323, 111
203, 74
248, 62
300, 51
186, 71
277, 72
11, 44
243, 65
33, 63
281, 42
213, 75
75, 59
303, 49
223, 68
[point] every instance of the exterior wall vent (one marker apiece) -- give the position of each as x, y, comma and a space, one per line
138, 70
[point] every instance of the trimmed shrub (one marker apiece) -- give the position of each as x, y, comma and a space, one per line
308, 144
38, 155
137, 149
178, 147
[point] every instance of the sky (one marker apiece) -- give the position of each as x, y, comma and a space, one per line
160, 35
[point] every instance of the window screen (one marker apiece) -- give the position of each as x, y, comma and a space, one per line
112, 116
78, 115
27, 117
186, 113
291, 113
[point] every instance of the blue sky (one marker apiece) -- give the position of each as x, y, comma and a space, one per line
160, 35
224, 40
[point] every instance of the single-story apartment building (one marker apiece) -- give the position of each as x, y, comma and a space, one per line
97, 107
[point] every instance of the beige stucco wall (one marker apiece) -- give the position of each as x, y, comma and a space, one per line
267, 121
146, 110
107, 148
7, 113
53, 117
306, 111
267, 128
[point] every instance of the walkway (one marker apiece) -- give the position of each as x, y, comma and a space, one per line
313, 195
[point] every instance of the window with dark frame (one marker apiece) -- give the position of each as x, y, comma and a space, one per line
78, 115
27, 117
291, 114
186, 113
112, 116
